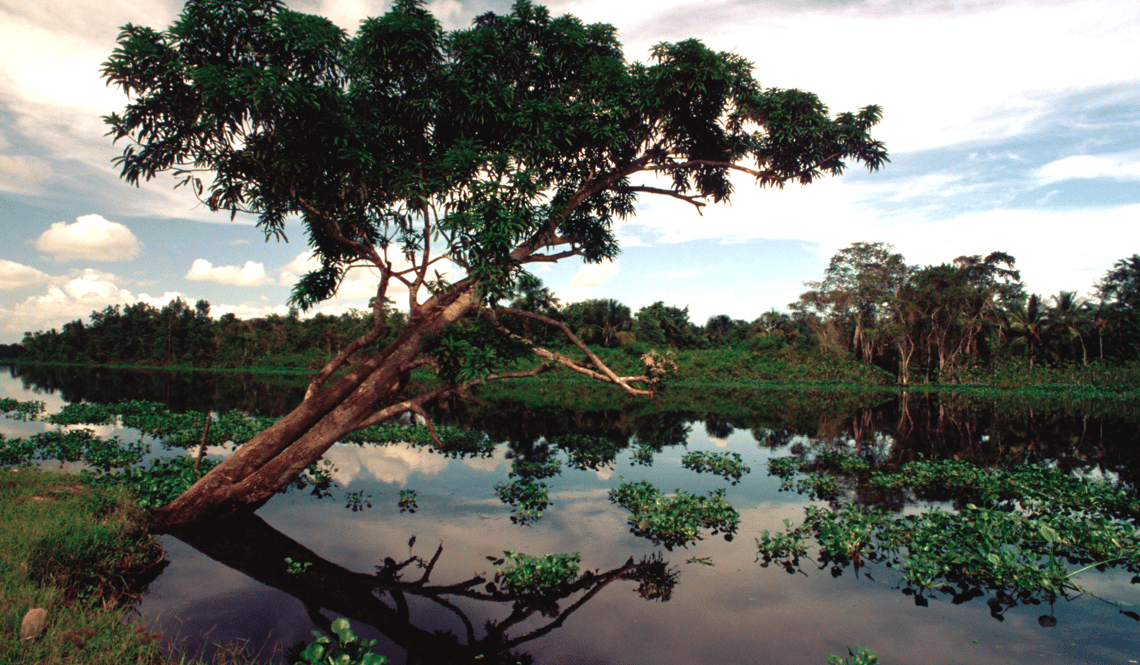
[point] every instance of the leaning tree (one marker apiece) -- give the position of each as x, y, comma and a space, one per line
444, 163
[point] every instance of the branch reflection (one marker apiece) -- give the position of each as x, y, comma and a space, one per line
248, 544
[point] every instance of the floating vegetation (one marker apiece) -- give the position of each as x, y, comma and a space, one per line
1025, 533
858, 656
537, 469
18, 410
643, 455
407, 501
587, 452
457, 442
675, 520
160, 483
731, 466
358, 501
346, 649
526, 575
526, 496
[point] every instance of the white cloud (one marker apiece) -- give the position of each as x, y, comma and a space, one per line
1115, 167
1106, 234
592, 275
584, 283
21, 174
17, 276
91, 238
679, 274
304, 263
450, 13
251, 274
76, 298
159, 301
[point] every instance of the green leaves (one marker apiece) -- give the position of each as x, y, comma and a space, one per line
407, 501
347, 650
858, 656
29, 410
526, 496
521, 129
729, 465
1014, 532
527, 575
674, 520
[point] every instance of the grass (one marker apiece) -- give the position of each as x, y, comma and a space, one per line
83, 554
80, 553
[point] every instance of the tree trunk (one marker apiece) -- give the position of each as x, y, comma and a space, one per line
265, 464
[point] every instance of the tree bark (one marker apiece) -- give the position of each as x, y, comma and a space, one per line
268, 462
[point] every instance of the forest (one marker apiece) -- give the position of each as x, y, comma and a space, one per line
919, 323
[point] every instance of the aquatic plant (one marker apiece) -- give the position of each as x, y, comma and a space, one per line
157, 484
347, 650
407, 501
17, 410
358, 501
643, 455
587, 452
526, 496
527, 575
537, 469
858, 656
731, 466
296, 567
675, 520
1025, 533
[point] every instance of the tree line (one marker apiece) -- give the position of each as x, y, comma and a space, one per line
924, 323
931, 322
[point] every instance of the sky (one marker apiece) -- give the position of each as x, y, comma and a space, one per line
1012, 126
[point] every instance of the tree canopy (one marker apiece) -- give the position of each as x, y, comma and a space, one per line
444, 162
488, 145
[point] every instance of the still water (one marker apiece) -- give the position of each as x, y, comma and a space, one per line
711, 602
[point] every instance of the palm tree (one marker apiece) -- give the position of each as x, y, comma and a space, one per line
1027, 320
1068, 317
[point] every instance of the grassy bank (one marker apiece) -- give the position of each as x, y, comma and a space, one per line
785, 366
81, 554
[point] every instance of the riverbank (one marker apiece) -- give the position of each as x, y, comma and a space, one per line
780, 369
72, 558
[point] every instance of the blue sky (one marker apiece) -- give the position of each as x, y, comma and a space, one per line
1012, 126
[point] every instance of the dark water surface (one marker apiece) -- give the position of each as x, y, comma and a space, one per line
708, 603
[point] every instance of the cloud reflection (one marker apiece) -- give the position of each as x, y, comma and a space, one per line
389, 464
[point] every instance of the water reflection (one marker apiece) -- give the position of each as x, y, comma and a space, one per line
381, 600
732, 611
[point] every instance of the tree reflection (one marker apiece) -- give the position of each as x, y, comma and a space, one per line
248, 544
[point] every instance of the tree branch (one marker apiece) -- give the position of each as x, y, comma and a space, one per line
601, 371
372, 335
693, 200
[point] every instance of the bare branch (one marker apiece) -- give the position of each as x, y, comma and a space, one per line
601, 371
693, 200
551, 258
419, 411
372, 335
